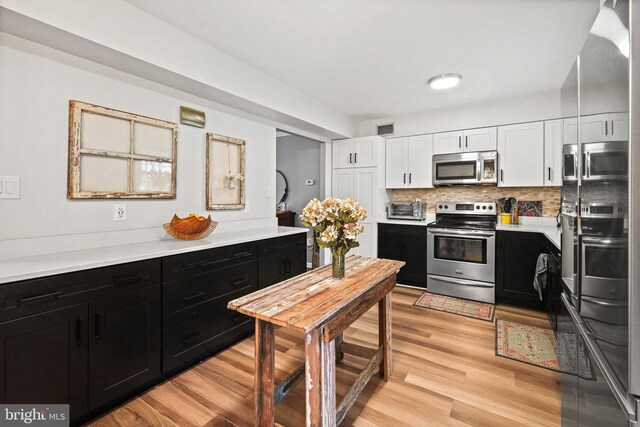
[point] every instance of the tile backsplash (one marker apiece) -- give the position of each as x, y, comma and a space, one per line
550, 196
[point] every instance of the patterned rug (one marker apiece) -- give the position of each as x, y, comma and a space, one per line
526, 343
462, 307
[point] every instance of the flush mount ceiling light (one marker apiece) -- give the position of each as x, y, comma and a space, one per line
444, 81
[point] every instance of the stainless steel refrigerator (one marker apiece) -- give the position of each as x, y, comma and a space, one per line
599, 327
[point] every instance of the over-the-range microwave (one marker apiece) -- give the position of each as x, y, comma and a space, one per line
477, 168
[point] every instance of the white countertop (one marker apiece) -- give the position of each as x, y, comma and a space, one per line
552, 232
15, 269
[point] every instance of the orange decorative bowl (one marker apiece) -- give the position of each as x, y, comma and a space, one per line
192, 227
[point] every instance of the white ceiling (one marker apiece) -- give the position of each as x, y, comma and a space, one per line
371, 58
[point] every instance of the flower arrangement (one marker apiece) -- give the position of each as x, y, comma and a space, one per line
337, 226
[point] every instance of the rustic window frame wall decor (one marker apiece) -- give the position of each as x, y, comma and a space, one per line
225, 172
151, 145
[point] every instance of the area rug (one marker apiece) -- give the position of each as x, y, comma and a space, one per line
462, 307
526, 343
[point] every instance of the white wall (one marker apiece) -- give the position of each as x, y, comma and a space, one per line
118, 34
495, 112
36, 90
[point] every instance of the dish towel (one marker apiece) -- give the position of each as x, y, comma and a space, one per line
540, 277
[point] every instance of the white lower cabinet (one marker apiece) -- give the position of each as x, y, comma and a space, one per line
521, 155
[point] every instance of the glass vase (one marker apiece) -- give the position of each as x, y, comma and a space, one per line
337, 266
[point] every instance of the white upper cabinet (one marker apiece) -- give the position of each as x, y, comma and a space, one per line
397, 152
521, 155
419, 161
481, 139
605, 127
356, 152
408, 162
570, 131
553, 140
447, 142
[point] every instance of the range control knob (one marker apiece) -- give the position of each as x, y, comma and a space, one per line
439, 206
477, 206
484, 208
490, 208
446, 206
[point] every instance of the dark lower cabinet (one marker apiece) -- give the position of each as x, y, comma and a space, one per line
124, 344
406, 243
281, 259
44, 359
552, 294
516, 258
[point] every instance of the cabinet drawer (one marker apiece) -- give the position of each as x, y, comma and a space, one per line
270, 247
192, 339
184, 298
39, 295
193, 263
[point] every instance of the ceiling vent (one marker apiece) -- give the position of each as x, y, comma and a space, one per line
384, 130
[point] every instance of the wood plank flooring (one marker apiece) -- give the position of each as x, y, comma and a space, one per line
445, 373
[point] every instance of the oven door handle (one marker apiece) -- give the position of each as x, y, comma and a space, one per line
595, 242
461, 281
460, 233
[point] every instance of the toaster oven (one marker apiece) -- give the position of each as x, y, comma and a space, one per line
407, 210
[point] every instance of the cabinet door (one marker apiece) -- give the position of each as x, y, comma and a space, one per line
595, 128
619, 126
44, 359
570, 131
342, 182
364, 189
414, 254
396, 162
521, 155
271, 270
365, 239
419, 161
516, 258
364, 151
342, 153
388, 243
483, 139
447, 142
553, 135
124, 344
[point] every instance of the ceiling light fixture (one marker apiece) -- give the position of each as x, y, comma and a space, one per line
444, 81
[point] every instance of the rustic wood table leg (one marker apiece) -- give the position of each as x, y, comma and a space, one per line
384, 335
264, 374
339, 352
320, 380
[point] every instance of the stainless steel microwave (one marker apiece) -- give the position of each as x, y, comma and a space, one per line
605, 161
477, 168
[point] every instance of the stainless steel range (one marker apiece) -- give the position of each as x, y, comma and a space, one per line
461, 247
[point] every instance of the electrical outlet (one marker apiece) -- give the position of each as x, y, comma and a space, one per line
120, 212
268, 193
309, 241
9, 187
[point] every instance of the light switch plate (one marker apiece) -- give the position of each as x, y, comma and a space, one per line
9, 187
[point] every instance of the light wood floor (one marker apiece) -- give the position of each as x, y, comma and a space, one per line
445, 373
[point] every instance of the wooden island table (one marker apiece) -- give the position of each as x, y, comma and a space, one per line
321, 307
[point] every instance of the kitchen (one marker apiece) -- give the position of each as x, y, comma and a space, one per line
476, 188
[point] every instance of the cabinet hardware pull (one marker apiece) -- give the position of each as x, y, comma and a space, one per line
193, 264
281, 267
193, 297
409, 177
350, 157
96, 327
404, 178
287, 266
79, 330
190, 339
239, 282
38, 298
237, 318
606, 127
502, 175
459, 142
611, 127
131, 279
240, 254
355, 156
466, 141
549, 174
